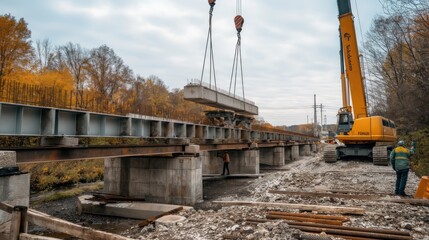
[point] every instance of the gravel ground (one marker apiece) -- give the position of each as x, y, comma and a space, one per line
208, 221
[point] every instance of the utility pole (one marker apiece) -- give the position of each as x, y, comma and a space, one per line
321, 118
326, 123
315, 117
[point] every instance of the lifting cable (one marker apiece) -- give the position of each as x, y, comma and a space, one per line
209, 44
238, 20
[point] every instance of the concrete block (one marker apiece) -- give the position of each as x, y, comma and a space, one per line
14, 190
7, 159
170, 220
159, 163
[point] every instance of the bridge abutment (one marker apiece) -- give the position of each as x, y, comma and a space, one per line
14, 187
175, 180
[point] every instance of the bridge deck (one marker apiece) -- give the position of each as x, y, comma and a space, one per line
219, 99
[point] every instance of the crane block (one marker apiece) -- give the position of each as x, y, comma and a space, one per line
212, 2
239, 21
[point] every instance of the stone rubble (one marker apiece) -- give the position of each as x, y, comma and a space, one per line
306, 174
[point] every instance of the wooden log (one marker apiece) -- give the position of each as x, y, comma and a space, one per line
373, 230
354, 233
15, 224
308, 215
321, 194
305, 219
26, 236
6, 207
318, 208
69, 228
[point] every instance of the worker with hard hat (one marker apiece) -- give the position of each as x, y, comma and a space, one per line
400, 160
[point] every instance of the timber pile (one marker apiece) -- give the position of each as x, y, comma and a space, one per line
311, 223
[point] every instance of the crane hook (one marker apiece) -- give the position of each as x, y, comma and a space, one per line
212, 2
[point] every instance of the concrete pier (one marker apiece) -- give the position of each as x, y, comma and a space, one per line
304, 150
294, 152
175, 180
14, 187
272, 156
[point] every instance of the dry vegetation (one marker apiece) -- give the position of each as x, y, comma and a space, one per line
48, 176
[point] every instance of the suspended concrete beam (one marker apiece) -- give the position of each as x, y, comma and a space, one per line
217, 98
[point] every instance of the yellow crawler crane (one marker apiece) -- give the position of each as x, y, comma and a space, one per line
362, 135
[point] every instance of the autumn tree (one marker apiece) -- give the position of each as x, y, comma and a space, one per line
76, 59
15, 46
398, 59
107, 73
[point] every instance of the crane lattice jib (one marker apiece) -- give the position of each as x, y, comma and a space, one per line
351, 59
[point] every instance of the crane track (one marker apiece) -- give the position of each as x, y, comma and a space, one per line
330, 153
380, 155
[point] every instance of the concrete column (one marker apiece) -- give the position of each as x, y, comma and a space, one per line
125, 126
313, 148
272, 156
82, 124
244, 162
14, 187
295, 152
288, 153
48, 122
304, 150
211, 162
175, 180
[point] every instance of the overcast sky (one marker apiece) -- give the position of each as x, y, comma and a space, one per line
289, 48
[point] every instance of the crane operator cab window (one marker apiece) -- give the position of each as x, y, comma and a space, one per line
345, 122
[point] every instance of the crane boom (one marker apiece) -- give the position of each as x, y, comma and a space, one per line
350, 54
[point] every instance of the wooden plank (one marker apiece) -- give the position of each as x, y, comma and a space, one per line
26, 236
318, 208
321, 194
309, 215
6, 207
306, 219
15, 224
356, 192
69, 228
318, 225
136, 210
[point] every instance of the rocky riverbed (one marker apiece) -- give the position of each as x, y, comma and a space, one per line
309, 174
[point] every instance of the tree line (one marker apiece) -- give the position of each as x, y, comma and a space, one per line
397, 50
92, 79
397, 55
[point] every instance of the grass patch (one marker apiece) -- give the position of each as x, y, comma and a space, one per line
62, 194
50, 175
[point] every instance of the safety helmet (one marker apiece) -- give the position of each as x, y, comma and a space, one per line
401, 143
